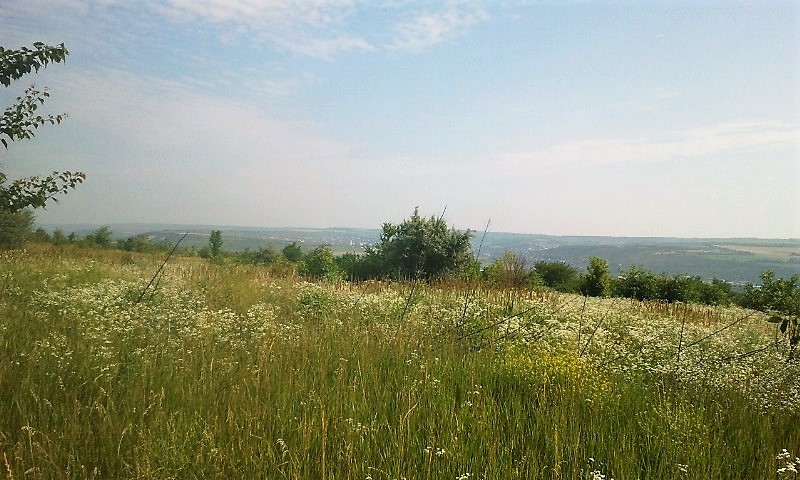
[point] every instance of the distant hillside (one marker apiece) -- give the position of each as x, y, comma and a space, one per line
736, 260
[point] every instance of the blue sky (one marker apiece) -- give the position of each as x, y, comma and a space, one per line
567, 118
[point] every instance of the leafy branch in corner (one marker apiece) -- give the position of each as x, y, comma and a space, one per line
36, 191
20, 121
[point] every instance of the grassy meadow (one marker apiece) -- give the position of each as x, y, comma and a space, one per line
230, 371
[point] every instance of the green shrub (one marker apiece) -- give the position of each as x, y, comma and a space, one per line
637, 283
507, 271
15, 228
292, 252
319, 263
421, 248
597, 281
558, 275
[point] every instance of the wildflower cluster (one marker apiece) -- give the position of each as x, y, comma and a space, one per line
552, 367
787, 467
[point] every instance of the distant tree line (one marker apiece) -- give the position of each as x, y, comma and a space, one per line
426, 249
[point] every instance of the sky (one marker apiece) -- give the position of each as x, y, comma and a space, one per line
619, 118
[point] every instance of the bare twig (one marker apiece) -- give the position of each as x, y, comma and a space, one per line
597, 327
174, 247
719, 330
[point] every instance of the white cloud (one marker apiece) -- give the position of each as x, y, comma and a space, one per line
164, 114
699, 142
317, 13
317, 28
325, 48
308, 27
430, 28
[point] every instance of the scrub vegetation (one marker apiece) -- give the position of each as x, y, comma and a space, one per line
226, 370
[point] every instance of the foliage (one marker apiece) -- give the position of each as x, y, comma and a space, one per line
36, 191
58, 237
348, 263
20, 121
215, 243
597, 281
507, 271
103, 237
717, 292
265, 256
357, 267
320, 263
292, 252
774, 295
421, 248
637, 283
40, 235
559, 276
14, 64
781, 298
138, 243
15, 228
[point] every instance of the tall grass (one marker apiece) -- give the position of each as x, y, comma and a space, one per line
228, 372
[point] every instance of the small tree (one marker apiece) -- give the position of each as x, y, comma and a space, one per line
638, 283
40, 235
320, 263
507, 271
360, 267
215, 243
58, 237
138, 243
717, 292
781, 298
559, 276
15, 228
265, 256
102, 237
421, 248
597, 281
292, 252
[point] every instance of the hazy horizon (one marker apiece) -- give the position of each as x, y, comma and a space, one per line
266, 228
566, 118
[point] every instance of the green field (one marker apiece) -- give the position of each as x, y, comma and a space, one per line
230, 371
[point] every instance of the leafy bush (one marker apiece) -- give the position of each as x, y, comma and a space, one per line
138, 243
15, 228
319, 263
359, 267
596, 282
507, 271
265, 256
292, 252
781, 298
637, 283
102, 237
420, 248
774, 295
558, 275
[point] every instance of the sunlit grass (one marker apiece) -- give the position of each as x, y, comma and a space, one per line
225, 371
